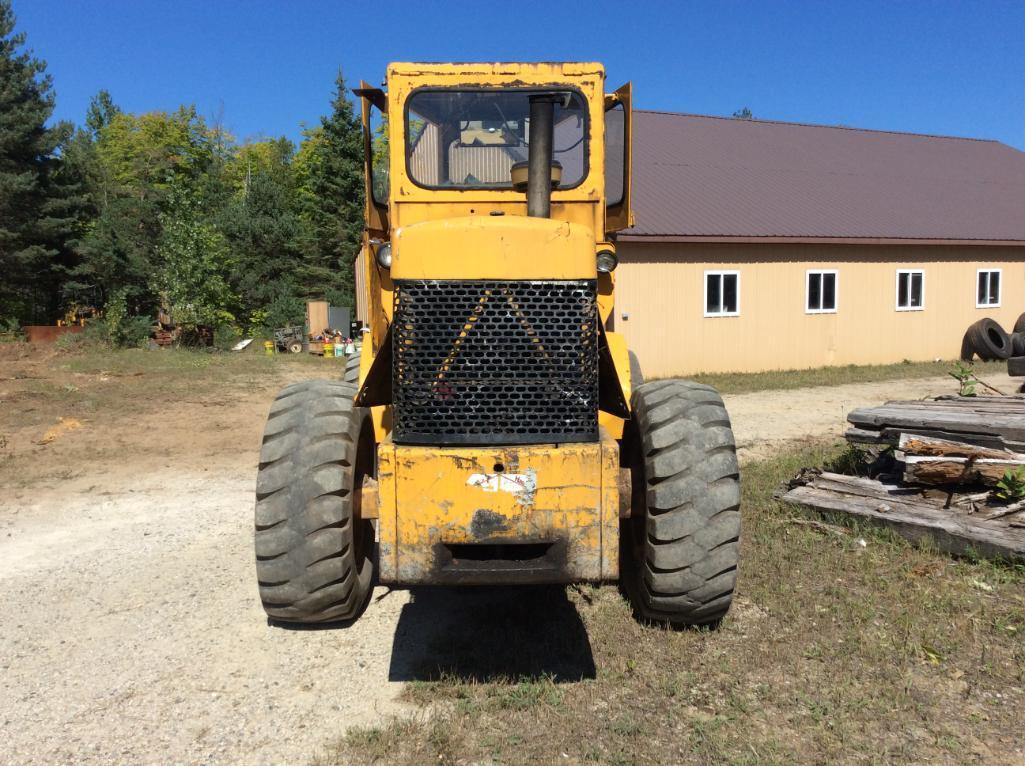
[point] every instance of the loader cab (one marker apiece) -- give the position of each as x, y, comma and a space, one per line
452, 142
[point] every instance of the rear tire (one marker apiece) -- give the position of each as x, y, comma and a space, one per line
314, 554
684, 539
1019, 325
352, 369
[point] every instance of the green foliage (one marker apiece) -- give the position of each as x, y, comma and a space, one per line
964, 374
162, 208
10, 330
118, 328
192, 259
34, 220
329, 175
1011, 485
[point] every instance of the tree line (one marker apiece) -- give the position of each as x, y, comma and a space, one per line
166, 209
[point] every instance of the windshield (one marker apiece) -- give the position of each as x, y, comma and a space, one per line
470, 139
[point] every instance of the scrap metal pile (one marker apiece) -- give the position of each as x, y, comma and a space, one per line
950, 469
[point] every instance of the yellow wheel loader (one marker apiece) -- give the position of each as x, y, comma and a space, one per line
495, 429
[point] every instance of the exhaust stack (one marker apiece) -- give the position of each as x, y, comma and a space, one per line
539, 155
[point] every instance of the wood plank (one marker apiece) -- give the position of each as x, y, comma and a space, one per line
922, 469
892, 436
950, 530
1007, 426
924, 445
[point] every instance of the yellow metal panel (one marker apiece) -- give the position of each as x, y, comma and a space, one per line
620, 356
410, 203
562, 494
511, 247
660, 287
387, 523
610, 507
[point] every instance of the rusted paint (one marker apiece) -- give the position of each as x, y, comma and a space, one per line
487, 524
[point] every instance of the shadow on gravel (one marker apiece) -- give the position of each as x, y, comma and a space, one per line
490, 634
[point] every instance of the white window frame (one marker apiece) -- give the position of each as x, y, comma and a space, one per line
896, 289
836, 291
1000, 288
704, 296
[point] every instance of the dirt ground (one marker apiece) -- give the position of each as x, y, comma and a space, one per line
131, 629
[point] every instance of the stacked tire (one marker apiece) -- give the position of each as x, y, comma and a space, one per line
1016, 361
987, 340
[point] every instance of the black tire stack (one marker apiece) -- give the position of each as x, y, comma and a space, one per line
988, 341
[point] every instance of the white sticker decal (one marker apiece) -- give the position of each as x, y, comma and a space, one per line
513, 483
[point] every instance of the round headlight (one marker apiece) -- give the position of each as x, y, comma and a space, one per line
607, 261
384, 255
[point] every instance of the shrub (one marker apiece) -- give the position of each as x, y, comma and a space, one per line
120, 329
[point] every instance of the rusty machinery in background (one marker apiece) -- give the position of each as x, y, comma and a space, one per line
495, 429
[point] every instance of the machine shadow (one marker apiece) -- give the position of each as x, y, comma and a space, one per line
490, 634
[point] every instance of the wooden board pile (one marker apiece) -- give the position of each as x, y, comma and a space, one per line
947, 461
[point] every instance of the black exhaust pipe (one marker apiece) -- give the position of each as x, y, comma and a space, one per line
539, 155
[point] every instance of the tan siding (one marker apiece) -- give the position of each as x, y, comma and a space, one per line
661, 288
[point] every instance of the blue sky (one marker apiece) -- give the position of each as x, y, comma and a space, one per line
931, 67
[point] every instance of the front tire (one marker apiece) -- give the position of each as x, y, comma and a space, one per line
314, 554
684, 539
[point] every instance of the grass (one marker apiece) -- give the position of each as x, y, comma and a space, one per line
849, 647
95, 392
95, 382
742, 383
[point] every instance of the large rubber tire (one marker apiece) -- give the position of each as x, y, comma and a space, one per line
1016, 366
988, 340
351, 374
684, 539
1019, 325
314, 555
1017, 344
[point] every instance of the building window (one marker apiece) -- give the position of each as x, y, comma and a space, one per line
910, 290
820, 292
722, 293
988, 290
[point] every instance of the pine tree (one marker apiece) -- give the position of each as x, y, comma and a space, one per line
28, 227
329, 169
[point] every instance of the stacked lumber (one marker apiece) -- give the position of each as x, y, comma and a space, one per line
987, 421
944, 462
915, 515
948, 455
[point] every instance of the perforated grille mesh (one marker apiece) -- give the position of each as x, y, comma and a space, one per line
495, 362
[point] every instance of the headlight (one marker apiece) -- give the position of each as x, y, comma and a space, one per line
607, 261
384, 255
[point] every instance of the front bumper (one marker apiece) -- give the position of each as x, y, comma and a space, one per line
541, 513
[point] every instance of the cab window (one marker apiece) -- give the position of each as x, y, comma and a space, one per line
470, 139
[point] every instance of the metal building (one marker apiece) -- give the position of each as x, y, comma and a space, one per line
765, 245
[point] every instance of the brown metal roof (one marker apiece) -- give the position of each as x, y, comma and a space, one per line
709, 178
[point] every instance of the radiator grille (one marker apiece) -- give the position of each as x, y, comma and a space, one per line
495, 362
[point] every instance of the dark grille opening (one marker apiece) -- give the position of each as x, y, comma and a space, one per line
495, 362
497, 551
